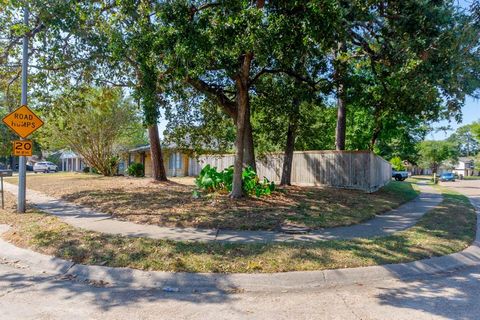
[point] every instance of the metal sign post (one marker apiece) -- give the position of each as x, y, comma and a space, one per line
22, 164
23, 122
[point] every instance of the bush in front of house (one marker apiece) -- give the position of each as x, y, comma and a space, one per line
136, 170
210, 180
86, 170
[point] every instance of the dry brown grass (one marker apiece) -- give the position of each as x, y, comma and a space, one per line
171, 204
446, 229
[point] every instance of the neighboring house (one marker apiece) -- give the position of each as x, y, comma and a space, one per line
178, 163
71, 162
415, 169
464, 166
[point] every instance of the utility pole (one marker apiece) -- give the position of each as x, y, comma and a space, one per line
22, 163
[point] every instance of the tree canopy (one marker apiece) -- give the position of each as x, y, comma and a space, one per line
106, 125
434, 153
258, 76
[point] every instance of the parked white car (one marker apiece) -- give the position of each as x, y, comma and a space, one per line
45, 166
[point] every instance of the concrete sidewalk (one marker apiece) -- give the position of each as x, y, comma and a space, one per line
395, 220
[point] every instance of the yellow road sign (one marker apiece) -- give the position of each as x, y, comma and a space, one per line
22, 148
23, 121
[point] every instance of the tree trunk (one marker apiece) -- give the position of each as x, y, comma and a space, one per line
249, 149
290, 145
237, 191
158, 168
339, 75
376, 130
230, 108
341, 120
375, 135
242, 100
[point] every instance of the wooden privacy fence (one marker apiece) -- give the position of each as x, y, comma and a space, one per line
362, 170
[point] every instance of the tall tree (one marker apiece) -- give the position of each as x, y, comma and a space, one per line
279, 106
392, 49
340, 70
221, 49
103, 42
434, 153
130, 31
475, 130
464, 139
107, 124
217, 42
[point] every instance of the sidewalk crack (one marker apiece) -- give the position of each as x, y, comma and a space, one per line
347, 305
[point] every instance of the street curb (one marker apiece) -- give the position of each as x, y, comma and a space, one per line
206, 282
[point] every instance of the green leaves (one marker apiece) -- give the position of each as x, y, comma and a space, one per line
136, 170
434, 153
397, 164
210, 180
95, 123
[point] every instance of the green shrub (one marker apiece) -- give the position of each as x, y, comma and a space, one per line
86, 170
397, 164
112, 164
136, 170
210, 180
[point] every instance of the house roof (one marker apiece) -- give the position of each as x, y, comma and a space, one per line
147, 147
69, 155
465, 159
140, 149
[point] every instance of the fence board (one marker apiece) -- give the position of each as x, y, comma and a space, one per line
361, 170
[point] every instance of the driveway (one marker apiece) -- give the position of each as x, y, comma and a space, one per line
28, 295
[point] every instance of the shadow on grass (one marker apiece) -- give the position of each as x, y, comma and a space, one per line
446, 229
314, 207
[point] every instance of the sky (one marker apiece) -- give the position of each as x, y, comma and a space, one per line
471, 113
471, 110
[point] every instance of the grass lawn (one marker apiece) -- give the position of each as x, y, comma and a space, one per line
171, 204
446, 229
430, 178
471, 177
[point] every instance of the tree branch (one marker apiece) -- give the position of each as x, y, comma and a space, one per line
216, 94
291, 73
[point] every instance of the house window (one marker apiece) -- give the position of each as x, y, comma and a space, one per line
179, 161
175, 161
